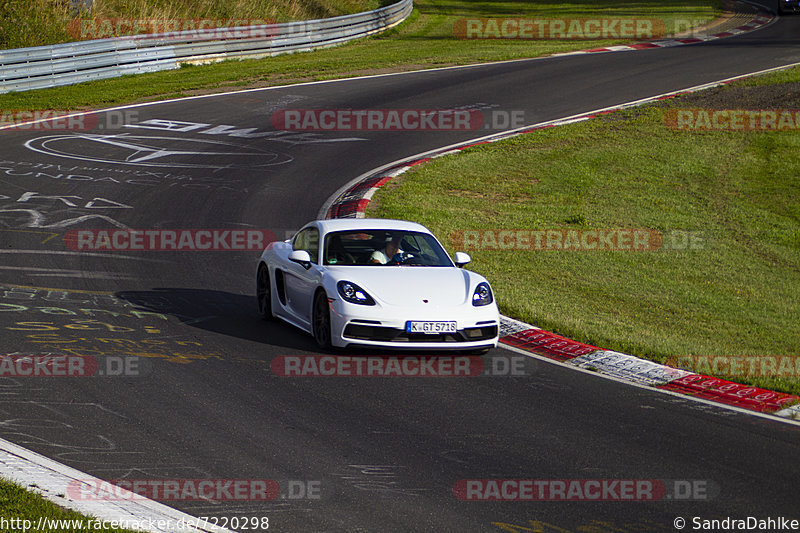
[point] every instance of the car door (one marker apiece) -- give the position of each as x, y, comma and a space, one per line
301, 282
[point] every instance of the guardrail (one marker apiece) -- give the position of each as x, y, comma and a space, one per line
23, 69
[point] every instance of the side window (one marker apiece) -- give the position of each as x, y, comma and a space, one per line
308, 240
300, 240
312, 242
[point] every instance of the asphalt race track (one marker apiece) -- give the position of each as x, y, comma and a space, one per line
384, 453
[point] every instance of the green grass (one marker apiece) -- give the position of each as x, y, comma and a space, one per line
777, 77
737, 295
425, 40
19, 504
42, 22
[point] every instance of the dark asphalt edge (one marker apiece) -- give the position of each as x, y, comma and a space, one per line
50, 478
352, 199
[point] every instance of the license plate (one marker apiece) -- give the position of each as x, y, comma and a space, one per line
430, 327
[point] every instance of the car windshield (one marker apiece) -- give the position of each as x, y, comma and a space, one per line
384, 247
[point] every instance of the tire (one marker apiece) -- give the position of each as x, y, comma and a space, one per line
264, 293
321, 321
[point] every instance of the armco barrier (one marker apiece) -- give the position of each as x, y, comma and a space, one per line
24, 69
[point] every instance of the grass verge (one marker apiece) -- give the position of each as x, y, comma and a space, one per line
425, 40
21, 512
730, 291
41, 22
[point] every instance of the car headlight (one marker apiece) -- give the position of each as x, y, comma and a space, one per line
350, 292
482, 294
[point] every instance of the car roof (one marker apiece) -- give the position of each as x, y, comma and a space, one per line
343, 224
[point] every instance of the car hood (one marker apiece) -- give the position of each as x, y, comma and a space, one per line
411, 285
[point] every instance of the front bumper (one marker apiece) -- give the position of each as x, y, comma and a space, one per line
369, 332
476, 327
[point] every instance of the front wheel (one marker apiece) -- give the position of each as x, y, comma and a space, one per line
322, 321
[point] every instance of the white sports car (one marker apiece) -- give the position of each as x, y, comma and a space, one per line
376, 282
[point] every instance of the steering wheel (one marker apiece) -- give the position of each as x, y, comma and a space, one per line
403, 258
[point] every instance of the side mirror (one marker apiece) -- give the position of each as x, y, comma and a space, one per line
301, 257
462, 259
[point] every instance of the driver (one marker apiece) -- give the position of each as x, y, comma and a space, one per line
392, 250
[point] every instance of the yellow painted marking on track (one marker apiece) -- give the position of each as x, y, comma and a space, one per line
104, 293
51, 234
